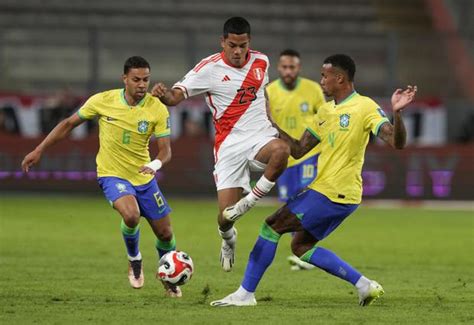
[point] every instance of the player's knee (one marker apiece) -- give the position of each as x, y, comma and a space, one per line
165, 234
281, 152
131, 217
300, 249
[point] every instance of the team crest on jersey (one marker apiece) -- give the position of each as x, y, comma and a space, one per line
344, 120
258, 73
121, 187
143, 126
304, 107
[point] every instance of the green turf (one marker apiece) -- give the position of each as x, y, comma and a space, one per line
62, 261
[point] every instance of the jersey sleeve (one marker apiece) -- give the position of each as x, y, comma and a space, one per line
375, 117
163, 126
197, 81
89, 110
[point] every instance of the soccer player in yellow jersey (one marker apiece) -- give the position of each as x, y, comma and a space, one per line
293, 102
342, 126
128, 118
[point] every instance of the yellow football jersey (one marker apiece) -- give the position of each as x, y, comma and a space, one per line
124, 132
293, 110
343, 131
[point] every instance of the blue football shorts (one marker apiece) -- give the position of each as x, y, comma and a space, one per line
150, 200
319, 215
296, 178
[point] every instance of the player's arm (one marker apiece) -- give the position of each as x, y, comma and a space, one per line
269, 110
396, 135
169, 97
61, 131
300, 147
162, 158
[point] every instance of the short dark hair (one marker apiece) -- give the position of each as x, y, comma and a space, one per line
290, 52
135, 62
236, 25
343, 62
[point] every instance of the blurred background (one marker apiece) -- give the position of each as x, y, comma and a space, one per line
54, 54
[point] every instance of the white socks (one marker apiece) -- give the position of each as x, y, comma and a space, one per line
261, 189
362, 283
244, 294
136, 258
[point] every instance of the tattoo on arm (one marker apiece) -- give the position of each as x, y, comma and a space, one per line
395, 135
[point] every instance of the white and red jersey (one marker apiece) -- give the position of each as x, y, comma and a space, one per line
235, 96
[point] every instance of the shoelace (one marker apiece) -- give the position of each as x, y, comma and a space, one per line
136, 268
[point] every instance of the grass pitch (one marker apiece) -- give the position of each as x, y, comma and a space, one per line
62, 260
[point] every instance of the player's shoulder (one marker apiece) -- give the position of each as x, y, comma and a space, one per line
207, 62
309, 83
154, 103
259, 55
366, 102
105, 96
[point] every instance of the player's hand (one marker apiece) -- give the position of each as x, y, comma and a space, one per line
159, 90
145, 170
30, 159
402, 97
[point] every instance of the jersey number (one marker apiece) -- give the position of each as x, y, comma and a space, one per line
308, 171
126, 137
247, 95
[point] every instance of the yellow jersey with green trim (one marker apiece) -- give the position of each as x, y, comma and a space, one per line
343, 131
293, 110
124, 132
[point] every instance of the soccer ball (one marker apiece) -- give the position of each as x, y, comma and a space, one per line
176, 268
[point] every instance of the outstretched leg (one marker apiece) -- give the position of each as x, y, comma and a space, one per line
261, 257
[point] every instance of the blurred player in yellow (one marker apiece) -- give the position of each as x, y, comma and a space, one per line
128, 118
293, 102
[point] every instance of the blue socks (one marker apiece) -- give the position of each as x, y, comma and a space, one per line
331, 263
131, 237
164, 247
261, 257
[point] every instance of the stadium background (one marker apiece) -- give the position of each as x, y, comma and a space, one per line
54, 54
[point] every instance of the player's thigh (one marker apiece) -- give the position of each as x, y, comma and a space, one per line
273, 147
121, 195
152, 202
162, 228
231, 174
319, 215
284, 221
128, 208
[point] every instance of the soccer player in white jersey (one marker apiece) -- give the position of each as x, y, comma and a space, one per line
233, 82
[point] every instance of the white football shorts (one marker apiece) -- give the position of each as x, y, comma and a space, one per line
235, 158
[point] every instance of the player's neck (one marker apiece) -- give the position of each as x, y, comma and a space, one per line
129, 99
292, 85
343, 94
